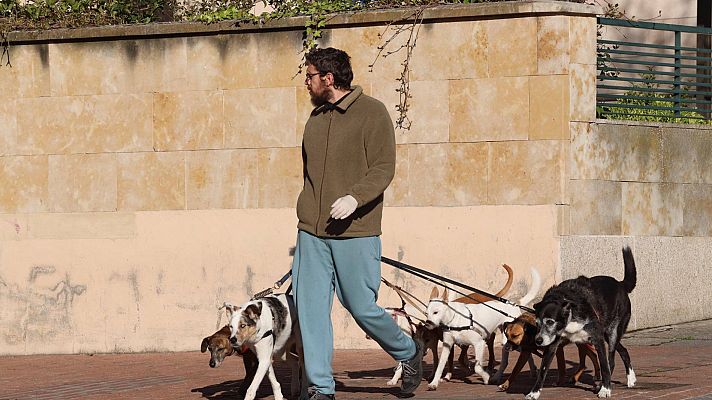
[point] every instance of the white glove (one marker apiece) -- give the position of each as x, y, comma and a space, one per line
343, 207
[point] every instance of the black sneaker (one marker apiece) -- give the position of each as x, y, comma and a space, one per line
320, 396
412, 370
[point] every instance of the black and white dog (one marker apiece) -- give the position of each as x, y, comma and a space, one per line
587, 310
268, 326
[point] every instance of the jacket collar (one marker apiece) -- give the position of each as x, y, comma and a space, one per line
344, 103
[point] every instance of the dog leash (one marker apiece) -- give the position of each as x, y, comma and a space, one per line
427, 275
278, 284
405, 297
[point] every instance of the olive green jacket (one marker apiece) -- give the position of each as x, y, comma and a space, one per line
348, 148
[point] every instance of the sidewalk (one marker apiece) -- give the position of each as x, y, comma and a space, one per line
672, 362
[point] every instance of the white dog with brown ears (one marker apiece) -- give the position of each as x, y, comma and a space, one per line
269, 327
471, 324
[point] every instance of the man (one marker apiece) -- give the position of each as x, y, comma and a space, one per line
349, 159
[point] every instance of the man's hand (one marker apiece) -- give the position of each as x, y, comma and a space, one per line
343, 207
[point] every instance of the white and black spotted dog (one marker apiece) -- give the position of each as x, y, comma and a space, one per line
268, 326
587, 310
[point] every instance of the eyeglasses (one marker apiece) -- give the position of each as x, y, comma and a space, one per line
309, 76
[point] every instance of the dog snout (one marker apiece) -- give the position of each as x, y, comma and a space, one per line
539, 340
233, 340
213, 364
430, 325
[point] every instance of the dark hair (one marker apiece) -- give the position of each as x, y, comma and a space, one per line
335, 61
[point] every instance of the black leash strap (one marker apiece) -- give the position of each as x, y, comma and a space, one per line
421, 273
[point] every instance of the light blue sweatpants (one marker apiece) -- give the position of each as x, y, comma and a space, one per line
352, 268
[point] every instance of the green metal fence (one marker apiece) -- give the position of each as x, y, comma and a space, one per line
659, 79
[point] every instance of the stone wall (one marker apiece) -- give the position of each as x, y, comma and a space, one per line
649, 186
150, 173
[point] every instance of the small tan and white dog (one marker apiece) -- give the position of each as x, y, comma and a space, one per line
269, 327
471, 324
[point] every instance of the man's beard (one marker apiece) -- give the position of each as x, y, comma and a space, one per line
318, 99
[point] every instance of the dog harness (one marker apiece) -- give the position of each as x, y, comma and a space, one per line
447, 328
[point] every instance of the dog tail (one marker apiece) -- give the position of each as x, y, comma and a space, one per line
630, 278
533, 289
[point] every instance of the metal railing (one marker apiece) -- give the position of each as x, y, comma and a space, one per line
663, 81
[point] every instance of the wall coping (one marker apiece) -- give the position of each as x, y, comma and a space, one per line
653, 124
439, 13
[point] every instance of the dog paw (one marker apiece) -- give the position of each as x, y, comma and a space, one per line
485, 378
447, 377
432, 386
604, 392
503, 387
631, 379
391, 383
532, 395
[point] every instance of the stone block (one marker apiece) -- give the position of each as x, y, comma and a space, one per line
428, 110
207, 62
78, 124
304, 109
489, 109
8, 126
151, 181
616, 152
280, 177
656, 299
82, 183
652, 209
361, 43
553, 45
582, 89
596, 207
112, 67
549, 107
397, 194
526, 172
511, 50
24, 180
222, 179
284, 51
582, 40
452, 174
698, 210
227, 54
188, 120
687, 155
256, 118
28, 72
464, 43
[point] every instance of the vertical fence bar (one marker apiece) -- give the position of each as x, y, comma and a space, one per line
676, 85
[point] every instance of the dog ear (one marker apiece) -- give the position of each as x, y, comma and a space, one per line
536, 307
204, 345
254, 311
446, 296
434, 293
229, 309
